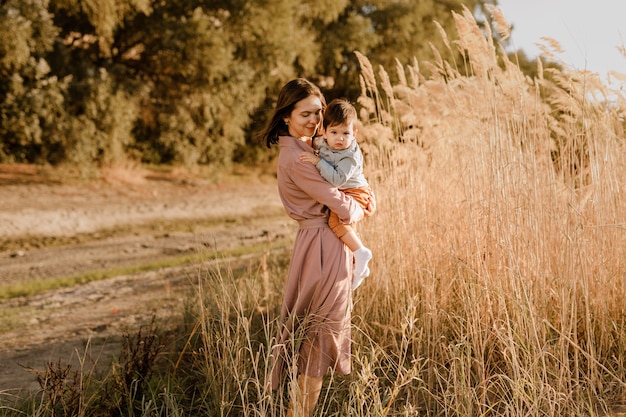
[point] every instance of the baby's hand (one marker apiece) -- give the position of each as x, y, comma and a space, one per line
309, 157
370, 209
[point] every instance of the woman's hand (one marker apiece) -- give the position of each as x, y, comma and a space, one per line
309, 157
371, 205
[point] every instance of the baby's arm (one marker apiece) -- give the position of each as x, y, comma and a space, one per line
337, 174
329, 172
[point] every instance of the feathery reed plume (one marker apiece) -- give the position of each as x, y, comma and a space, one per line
550, 50
369, 81
438, 59
477, 46
621, 49
502, 26
618, 76
366, 71
554, 44
444, 35
400, 72
414, 72
385, 83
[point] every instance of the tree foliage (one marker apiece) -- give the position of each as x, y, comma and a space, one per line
184, 81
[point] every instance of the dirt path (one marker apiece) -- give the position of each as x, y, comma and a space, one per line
50, 230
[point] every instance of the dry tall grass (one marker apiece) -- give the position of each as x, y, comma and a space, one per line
500, 241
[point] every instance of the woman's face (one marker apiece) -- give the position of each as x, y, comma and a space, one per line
305, 117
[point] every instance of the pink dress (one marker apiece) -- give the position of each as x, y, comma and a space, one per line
317, 296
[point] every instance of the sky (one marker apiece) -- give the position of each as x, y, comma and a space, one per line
589, 31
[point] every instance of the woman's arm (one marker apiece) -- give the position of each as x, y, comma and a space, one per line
307, 177
337, 174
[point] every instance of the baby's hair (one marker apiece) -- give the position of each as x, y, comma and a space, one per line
339, 112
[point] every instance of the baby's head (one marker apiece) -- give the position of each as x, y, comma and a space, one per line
338, 124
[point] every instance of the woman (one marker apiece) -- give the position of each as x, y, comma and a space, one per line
317, 294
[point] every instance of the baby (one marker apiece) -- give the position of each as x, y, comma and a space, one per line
340, 162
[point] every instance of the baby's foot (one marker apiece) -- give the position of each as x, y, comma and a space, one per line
356, 281
361, 257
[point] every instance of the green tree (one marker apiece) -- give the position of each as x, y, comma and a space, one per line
185, 81
198, 68
32, 97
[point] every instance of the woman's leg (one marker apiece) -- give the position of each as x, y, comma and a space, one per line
309, 389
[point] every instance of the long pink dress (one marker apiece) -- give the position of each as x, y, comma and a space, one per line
317, 299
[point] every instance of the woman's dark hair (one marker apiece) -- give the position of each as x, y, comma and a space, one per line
291, 93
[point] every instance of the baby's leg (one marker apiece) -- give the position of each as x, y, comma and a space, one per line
352, 240
362, 256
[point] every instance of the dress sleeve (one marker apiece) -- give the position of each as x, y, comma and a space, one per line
308, 178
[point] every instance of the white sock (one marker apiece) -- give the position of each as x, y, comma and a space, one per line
356, 281
361, 258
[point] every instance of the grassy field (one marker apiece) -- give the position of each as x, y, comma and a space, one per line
498, 276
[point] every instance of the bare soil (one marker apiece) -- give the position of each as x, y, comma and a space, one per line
52, 228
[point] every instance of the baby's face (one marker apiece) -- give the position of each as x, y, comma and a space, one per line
339, 136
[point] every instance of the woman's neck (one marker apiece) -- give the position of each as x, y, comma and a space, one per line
303, 139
